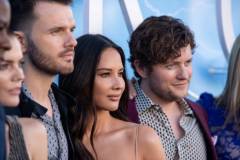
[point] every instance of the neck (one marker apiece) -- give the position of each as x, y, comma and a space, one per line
103, 123
38, 83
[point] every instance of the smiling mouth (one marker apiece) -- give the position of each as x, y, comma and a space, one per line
182, 84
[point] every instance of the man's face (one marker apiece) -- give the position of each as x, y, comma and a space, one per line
4, 23
170, 81
51, 42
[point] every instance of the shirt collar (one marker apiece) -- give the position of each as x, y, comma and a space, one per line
186, 109
29, 106
26, 91
144, 102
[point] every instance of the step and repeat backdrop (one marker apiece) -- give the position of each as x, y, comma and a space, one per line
215, 24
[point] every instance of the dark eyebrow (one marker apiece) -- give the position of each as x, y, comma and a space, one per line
56, 28
176, 62
103, 69
107, 69
4, 60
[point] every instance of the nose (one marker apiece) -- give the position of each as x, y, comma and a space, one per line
118, 83
19, 75
184, 73
4, 42
71, 41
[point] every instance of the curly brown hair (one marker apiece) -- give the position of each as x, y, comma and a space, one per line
157, 40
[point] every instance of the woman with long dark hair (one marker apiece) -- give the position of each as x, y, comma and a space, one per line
99, 126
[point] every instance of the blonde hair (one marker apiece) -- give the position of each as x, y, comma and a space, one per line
230, 97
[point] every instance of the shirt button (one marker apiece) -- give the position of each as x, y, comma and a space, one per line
167, 124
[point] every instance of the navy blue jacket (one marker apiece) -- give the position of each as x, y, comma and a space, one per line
2, 135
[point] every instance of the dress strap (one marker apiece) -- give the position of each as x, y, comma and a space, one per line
136, 142
18, 150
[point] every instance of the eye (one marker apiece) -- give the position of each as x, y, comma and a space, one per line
2, 27
4, 66
56, 31
120, 74
72, 29
189, 62
170, 66
104, 75
21, 63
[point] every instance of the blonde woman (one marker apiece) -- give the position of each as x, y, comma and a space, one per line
224, 110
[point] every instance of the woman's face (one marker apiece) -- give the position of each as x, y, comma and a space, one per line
109, 83
11, 74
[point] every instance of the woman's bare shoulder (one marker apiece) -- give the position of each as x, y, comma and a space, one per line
147, 134
148, 142
131, 130
150, 146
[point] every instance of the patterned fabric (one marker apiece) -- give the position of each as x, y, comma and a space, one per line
190, 146
227, 138
2, 134
57, 142
18, 149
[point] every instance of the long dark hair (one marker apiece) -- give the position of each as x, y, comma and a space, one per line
80, 85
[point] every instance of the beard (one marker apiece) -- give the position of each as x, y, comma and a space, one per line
166, 94
45, 63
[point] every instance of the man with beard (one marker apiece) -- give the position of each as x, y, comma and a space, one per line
161, 56
4, 45
44, 28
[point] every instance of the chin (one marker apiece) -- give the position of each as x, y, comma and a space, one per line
177, 95
66, 70
113, 107
182, 95
11, 103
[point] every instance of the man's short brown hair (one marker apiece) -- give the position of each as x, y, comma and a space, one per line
157, 40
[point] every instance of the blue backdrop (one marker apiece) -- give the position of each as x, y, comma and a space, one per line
209, 61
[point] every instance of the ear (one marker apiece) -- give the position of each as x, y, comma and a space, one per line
142, 71
22, 39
